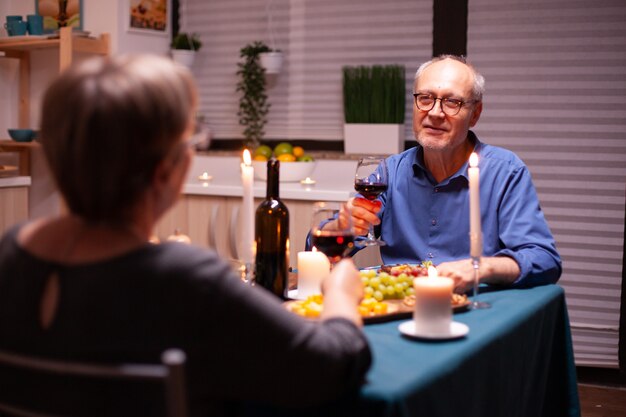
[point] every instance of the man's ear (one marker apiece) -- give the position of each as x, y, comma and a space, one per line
478, 109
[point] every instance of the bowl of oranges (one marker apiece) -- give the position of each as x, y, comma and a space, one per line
295, 164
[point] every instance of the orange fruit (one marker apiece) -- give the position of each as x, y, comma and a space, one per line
286, 157
262, 158
298, 151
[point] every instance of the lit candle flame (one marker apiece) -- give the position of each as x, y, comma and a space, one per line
473, 160
247, 159
432, 272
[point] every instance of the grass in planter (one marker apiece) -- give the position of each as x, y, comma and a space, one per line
374, 94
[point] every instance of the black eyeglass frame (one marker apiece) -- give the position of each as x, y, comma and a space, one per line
458, 103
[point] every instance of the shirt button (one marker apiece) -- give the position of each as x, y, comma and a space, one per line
433, 222
430, 255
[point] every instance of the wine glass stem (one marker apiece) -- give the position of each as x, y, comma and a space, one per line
370, 233
476, 265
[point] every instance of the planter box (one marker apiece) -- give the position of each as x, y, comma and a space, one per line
183, 56
376, 139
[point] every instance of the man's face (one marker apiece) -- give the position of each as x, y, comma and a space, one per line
435, 130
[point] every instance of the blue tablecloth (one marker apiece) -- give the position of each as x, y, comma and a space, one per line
517, 360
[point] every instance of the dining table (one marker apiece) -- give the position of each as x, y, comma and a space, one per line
516, 361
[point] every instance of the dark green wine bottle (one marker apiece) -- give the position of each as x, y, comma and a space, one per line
272, 237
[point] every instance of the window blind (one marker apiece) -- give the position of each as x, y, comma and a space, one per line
556, 95
318, 38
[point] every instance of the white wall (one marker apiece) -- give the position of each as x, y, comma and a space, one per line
99, 17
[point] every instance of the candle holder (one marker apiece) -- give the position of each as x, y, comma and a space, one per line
247, 273
244, 270
477, 305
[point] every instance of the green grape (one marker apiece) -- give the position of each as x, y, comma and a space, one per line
368, 290
378, 296
365, 280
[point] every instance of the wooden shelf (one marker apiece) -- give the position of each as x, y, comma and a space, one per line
66, 43
22, 149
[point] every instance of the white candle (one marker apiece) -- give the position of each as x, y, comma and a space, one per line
433, 309
247, 209
313, 267
476, 238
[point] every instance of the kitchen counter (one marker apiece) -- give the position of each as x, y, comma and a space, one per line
21, 181
334, 180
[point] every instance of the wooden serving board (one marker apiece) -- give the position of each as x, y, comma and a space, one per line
396, 310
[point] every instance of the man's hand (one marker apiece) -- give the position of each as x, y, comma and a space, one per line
462, 272
364, 213
500, 270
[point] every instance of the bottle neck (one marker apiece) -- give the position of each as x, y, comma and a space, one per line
273, 167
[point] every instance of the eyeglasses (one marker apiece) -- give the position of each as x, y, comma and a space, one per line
450, 106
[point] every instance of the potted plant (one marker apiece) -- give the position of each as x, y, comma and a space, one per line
374, 106
184, 47
253, 105
272, 61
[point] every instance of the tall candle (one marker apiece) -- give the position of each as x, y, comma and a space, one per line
247, 209
476, 238
433, 309
313, 267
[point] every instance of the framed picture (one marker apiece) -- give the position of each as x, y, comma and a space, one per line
60, 13
149, 16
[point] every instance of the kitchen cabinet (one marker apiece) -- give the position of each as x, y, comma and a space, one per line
213, 222
13, 206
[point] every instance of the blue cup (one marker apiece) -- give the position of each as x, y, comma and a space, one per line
11, 18
16, 28
35, 24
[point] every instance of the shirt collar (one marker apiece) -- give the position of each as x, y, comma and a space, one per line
418, 163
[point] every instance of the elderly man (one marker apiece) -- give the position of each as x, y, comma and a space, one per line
423, 216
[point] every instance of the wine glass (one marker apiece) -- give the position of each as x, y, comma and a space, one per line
332, 232
370, 181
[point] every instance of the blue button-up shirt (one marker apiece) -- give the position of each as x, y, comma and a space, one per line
425, 220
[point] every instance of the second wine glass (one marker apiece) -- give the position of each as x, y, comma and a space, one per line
332, 232
370, 181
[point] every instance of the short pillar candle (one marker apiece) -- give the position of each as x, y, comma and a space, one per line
313, 267
433, 308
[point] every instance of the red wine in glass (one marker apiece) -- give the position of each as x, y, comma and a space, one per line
334, 244
370, 190
370, 181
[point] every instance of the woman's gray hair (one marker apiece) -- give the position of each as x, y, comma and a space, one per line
478, 89
106, 125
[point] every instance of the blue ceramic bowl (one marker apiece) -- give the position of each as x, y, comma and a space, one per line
22, 135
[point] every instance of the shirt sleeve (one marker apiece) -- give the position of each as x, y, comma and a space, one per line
261, 352
525, 234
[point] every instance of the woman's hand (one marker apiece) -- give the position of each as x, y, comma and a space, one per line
343, 291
